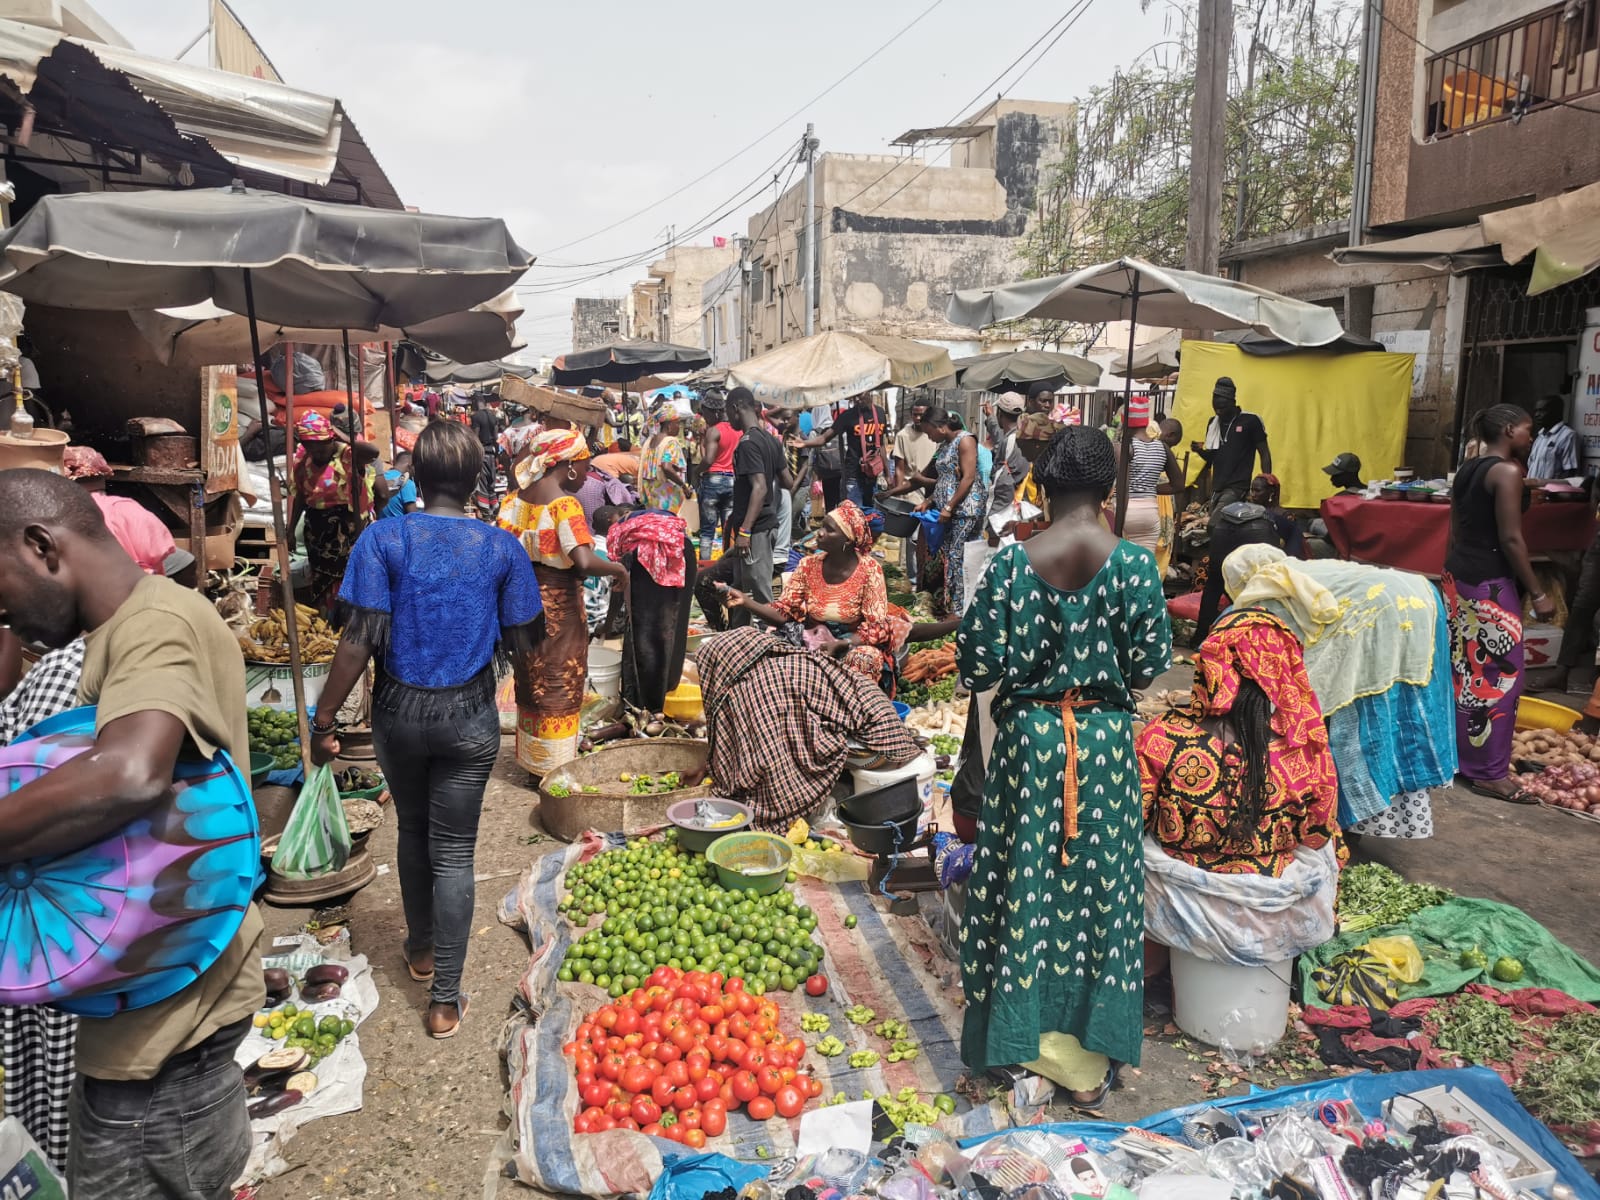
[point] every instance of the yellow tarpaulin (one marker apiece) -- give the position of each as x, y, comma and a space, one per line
1313, 405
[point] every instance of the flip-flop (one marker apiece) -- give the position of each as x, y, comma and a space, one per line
1515, 796
463, 1002
413, 972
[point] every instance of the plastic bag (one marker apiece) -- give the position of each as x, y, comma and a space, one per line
316, 841
1401, 954
1357, 978
24, 1170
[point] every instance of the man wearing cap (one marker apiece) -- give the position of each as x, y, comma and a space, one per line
1233, 439
1345, 471
139, 531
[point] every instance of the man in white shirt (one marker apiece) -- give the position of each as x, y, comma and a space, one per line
913, 452
1555, 444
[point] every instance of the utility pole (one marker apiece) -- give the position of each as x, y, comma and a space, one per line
1208, 146
808, 151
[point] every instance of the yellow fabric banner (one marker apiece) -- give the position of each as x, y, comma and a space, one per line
1313, 405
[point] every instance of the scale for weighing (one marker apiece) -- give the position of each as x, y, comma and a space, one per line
883, 822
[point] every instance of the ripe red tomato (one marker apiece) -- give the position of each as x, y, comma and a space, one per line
745, 1086
676, 1074
611, 1067
673, 1132
789, 1101
596, 1095
667, 1052
816, 985
627, 1021
769, 1081
734, 985
711, 1013
684, 1099
695, 1138
796, 1049
661, 1091
690, 1118
618, 1109
813, 1086
714, 1118
717, 1047
644, 1110
652, 1129
604, 1124
761, 1109
628, 1123
636, 1079
706, 1087
606, 1017
739, 1027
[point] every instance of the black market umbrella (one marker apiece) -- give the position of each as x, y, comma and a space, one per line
274, 258
1018, 370
312, 264
625, 362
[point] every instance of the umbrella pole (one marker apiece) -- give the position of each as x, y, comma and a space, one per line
286, 581
1123, 462
389, 395
350, 426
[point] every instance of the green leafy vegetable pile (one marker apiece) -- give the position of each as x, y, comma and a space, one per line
1371, 894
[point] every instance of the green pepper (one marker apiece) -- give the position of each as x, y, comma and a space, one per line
1474, 959
1507, 969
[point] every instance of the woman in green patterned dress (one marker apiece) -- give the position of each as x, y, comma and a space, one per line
1064, 627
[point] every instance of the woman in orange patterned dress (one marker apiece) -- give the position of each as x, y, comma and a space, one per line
546, 516
838, 601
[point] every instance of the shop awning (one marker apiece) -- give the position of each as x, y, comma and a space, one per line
1562, 233
1461, 248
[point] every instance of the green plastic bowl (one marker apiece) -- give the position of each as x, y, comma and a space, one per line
751, 861
260, 764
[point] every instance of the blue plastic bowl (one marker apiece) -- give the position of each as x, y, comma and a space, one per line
901, 710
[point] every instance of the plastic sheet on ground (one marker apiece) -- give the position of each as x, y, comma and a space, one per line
1246, 920
341, 1076
1445, 930
890, 964
1368, 1092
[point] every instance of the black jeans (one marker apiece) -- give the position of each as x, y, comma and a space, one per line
183, 1135
1577, 641
436, 749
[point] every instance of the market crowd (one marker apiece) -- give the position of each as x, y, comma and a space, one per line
1328, 698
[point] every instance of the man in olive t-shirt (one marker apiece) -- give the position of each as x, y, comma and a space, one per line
159, 1107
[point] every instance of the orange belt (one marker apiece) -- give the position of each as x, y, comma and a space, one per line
1074, 699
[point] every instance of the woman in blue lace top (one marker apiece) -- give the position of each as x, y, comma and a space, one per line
436, 595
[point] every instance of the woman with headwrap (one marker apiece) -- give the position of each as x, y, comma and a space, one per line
655, 549
1377, 652
325, 462
664, 463
546, 516
1064, 628
780, 722
1243, 777
838, 602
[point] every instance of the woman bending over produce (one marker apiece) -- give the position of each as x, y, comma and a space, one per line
435, 630
780, 722
1063, 628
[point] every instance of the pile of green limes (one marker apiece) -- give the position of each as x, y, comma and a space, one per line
275, 733
662, 906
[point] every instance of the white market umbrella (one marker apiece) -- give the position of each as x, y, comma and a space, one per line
829, 367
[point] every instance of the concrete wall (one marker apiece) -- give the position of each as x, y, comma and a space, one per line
683, 274
595, 322
722, 315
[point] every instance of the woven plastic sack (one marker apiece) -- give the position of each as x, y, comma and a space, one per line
316, 841
1401, 954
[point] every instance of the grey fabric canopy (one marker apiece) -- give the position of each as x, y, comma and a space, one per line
624, 362
328, 266
1015, 370
1132, 289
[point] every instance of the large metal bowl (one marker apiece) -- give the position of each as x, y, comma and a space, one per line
611, 807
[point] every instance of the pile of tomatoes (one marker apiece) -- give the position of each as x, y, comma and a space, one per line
674, 1057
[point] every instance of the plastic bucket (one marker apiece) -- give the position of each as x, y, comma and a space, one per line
924, 769
605, 672
271, 685
1244, 1009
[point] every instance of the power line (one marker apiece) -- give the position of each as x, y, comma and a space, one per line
737, 154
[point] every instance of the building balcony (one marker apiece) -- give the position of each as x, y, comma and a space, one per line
1540, 61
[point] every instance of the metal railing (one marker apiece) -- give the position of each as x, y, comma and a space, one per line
1540, 61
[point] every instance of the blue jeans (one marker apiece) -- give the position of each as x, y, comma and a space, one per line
183, 1134
436, 750
716, 506
858, 488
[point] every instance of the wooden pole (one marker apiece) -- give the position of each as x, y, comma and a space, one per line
286, 580
390, 400
1123, 458
1209, 145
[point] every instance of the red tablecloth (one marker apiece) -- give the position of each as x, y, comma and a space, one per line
1413, 536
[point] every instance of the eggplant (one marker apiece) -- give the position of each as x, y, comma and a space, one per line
276, 998
270, 1106
276, 1064
276, 980
327, 973
303, 1082
316, 993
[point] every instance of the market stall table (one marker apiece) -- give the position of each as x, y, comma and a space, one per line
182, 492
1413, 536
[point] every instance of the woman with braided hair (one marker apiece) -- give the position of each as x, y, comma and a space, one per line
1064, 628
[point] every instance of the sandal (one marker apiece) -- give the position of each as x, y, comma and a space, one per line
412, 971
1095, 1103
463, 1002
1515, 796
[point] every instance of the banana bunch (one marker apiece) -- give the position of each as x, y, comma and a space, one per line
269, 637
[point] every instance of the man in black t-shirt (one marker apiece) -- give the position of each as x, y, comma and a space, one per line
1233, 438
863, 431
485, 424
760, 469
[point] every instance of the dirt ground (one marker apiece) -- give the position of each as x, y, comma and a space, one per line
434, 1110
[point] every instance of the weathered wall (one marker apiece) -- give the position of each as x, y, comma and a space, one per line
683, 274
595, 321
900, 283
1399, 67
98, 366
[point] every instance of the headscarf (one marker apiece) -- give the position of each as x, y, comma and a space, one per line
515, 440
546, 450
664, 413
84, 462
852, 522
312, 426
1256, 573
1252, 644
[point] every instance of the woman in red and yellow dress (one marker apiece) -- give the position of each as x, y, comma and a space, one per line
545, 514
838, 602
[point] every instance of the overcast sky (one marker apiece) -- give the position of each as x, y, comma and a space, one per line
564, 118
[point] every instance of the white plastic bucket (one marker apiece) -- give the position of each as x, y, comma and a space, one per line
271, 685
605, 672
1243, 1009
924, 769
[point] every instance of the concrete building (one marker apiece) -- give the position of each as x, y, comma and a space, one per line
1471, 114
896, 235
722, 315
682, 276
596, 321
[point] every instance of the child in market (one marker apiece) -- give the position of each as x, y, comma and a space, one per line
597, 590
